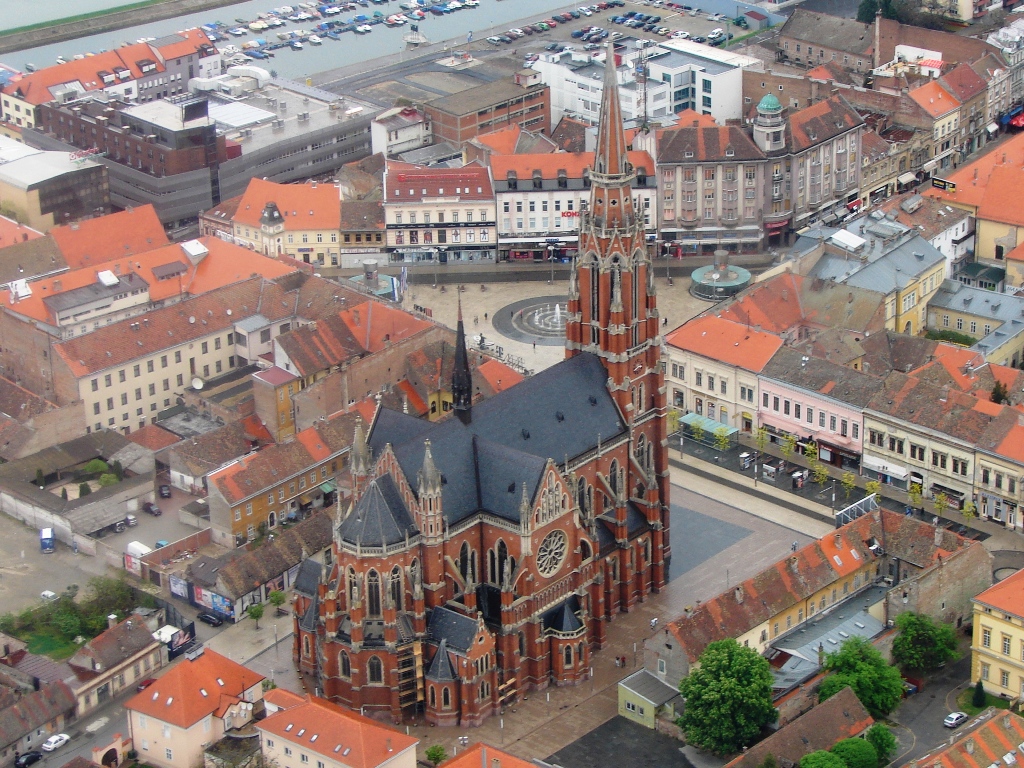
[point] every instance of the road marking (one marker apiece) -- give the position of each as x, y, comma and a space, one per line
97, 725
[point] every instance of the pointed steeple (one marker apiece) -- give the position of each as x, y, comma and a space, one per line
360, 451
610, 156
462, 380
429, 476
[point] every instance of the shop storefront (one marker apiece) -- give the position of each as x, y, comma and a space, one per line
834, 452
955, 497
537, 249
884, 472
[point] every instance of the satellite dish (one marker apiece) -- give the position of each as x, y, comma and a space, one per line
197, 383
192, 319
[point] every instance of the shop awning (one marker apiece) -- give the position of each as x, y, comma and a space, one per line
695, 419
305, 498
992, 127
930, 166
1018, 121
906, 178
329, 487
870, 462
936, 488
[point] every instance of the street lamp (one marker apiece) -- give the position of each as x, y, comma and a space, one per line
551, 259
435, 252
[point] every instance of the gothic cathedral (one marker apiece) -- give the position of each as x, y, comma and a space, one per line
484, 554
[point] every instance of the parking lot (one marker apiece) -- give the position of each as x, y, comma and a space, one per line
152, 529
658, 21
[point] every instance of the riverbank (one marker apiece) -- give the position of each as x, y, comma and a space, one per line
100, 21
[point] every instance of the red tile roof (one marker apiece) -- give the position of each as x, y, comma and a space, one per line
88, 73
94, 241
934, 99
726, 341
153, 437
404, 181
282, 699
304, 206
819, 122
482, 755
324, 728
192, 40
972, 179
12, 232
551, 163
979, 746
193, 689
1001, 203
1006, 596
499, 376
964, 83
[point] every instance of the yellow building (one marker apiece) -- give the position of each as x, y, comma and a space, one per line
997, 650
643, 697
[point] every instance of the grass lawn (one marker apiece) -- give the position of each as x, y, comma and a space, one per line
964, 702
56, 648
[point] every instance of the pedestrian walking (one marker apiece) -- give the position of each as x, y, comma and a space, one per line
654, 622
535, 346
485, 317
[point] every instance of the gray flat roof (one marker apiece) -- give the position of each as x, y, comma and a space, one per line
671, 59
76, 297
480, 96
23, 167
164, 114
649, 687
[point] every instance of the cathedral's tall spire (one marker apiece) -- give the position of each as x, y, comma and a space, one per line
610, 155
462, 380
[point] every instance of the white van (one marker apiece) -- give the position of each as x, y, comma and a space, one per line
715, 34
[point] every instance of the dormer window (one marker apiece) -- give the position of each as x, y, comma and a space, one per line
688, 153
513, 181
563, 179
730, 152
538, 180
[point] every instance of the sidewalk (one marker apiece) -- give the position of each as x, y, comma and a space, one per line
242, 642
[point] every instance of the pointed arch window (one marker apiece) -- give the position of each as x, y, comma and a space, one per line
396, 588
344, 665
446, 698
375, 670
464, 561
567, 654
373, 594
502, 557
613, 477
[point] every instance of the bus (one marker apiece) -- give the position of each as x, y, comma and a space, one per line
46, 540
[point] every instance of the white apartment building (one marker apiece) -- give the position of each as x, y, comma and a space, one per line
703, 78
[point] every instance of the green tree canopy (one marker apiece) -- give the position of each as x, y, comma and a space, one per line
922, 643
858, 664
978, 697
436, 754
821, 759
277, 598
882, 739
728, 698
255, 612
856, 753
95, 467
83, 490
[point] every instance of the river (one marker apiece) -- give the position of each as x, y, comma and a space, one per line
491, 16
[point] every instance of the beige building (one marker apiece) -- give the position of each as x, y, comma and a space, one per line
114, 662
202, 698
307, 731
442, 214
997, 648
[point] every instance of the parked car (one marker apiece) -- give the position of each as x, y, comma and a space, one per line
58, 740
145, 684
48, 596
131, 521
165, 491
160, 543
150, 508
699, 39
493, 40
953, 720
27, 759
210, 618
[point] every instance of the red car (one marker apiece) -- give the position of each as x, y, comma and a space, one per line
145, 684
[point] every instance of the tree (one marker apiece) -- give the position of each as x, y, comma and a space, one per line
873, 487
722, 442
856, 753
436, 754
811, 451
67, 622
820, 472
849, 483
255, 612
673, 420
40, 479
64, 493
277, 598
728, 698
761, 438
107, 480
821, 759
788, 445
83, 490
769, 761
697, 432
95, 467
117, 469
858, 664
978, 698
969, 510
914, 494
999, 393
922, 644
882, 739
866, 11
941, 504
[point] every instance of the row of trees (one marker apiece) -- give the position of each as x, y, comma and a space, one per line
729, 695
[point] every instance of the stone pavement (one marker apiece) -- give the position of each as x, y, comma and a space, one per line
242, 642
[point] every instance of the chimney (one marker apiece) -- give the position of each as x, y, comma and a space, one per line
738, 594
388, 744
938, 536
111, 620
839, 541
969, 746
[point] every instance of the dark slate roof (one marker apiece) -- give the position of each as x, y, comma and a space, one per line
792, 367
441, 667
456, 630
379, 518
308, 578
309, 619
561, 412
563, 618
